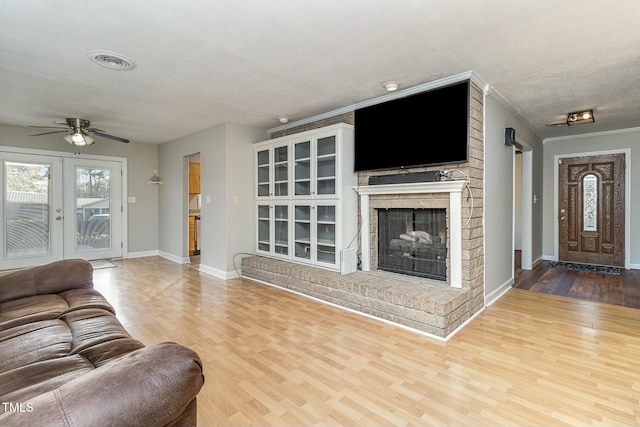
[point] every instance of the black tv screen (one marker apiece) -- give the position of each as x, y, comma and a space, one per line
424, 129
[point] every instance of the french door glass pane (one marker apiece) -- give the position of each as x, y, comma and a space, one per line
93, 208
26, 209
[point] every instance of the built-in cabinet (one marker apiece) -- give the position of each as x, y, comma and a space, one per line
306, 209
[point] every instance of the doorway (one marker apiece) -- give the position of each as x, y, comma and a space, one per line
591, 209
524, 199
195, 204
55, 207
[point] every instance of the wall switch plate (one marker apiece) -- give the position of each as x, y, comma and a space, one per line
207, 199
131, 199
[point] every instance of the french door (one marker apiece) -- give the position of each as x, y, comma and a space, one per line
54, 208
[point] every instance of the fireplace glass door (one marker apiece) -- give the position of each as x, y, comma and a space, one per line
413, 241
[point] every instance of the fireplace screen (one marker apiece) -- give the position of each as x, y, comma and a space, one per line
413, 241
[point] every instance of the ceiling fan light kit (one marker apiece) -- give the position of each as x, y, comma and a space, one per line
79, 139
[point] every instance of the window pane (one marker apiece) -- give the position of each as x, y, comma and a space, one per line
26, 209
93, 207
590, 202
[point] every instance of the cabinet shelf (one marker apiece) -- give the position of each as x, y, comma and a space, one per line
329, 243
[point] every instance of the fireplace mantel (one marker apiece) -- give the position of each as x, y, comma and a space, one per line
454, 188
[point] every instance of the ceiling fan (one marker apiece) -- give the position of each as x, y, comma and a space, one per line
79, 131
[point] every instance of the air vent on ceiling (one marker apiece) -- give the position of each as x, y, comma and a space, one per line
111, 60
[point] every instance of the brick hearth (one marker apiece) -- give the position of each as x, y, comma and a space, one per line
424, 305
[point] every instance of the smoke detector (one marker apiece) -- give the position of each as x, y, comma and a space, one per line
111, 60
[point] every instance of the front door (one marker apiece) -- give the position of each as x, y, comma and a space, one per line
591, 207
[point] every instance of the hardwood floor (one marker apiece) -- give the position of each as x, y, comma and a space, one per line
273, 358
621, 290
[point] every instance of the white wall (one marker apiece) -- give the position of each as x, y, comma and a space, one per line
587, 144
141, 159
499, 194
226, 171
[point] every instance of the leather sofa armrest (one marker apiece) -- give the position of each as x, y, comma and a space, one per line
150, 386
46, 279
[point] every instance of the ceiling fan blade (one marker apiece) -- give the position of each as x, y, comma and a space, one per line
93, 130
47, 133
106, 135
46, 127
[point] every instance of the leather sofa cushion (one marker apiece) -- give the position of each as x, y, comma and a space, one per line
33, 342
49, 306
23, 384
46, 279
31, 309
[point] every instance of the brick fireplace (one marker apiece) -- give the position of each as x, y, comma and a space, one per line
436, 307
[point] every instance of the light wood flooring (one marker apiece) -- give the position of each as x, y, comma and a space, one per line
273, 358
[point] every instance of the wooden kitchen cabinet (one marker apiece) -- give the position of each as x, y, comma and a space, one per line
194, 178
192, 235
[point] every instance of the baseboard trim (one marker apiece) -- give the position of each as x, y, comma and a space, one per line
496, 294
142, 254
215, 272
171, 257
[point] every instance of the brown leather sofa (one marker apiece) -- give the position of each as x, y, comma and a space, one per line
65, 359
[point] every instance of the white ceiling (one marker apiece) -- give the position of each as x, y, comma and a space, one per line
201, 63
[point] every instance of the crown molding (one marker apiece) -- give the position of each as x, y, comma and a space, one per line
587, 135
467, 75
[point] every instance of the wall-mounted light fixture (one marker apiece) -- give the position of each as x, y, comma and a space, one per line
580, 118
155, 179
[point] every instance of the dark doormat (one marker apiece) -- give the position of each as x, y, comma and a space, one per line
585, 267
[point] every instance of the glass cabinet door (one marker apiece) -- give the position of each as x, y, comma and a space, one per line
281, 171
281, 229
302, 168
263, 171
326, 165
326, 234
302, 231
264, 228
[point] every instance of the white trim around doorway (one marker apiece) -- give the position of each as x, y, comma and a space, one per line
64, 154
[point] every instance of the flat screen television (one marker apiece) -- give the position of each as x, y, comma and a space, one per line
423, 129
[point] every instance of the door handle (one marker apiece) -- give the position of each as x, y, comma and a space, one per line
58, 218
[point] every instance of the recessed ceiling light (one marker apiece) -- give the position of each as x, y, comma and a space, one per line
111, 60
391, 86
283, 120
